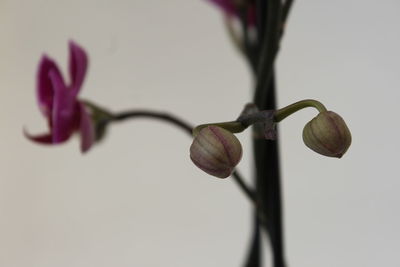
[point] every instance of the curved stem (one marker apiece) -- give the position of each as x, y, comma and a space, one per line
282, 113
184, 126
242, 123
155, 115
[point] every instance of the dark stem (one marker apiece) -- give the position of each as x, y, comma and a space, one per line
271, 19
154, 115
268, 50
266, 152
182, 125
268, 187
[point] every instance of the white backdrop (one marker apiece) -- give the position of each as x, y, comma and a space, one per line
136, 199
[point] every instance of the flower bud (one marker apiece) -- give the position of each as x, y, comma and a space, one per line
216, 151
327, 134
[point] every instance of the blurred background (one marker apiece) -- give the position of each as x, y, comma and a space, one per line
136, 199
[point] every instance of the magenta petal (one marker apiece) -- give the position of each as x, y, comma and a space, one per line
226, 5
64, 116
230, 9
86, 129
78, 62
45, 91
43, 138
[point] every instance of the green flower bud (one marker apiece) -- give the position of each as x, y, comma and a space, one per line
327, 134
216, 151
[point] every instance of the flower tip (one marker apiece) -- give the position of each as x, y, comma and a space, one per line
73, 44
44, 58
85, 149
42, 139
76, 48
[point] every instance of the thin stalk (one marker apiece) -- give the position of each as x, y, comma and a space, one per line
266, 152
282, 113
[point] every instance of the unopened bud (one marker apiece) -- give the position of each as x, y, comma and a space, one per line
216, 151
327, 134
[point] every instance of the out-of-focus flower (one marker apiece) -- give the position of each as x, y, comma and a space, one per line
236, 7
58, 101
327, 134
216, 151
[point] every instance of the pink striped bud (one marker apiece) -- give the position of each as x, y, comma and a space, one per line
327, 134
216, 151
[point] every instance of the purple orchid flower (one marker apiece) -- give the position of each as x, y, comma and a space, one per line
59, 103
232, 8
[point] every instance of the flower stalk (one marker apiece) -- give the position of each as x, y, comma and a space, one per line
282, 113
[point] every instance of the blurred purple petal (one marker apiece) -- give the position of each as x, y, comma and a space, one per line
64, 114
86, 129
77, 66
59, 103
226, 5
45, 91
231, 9
43, 138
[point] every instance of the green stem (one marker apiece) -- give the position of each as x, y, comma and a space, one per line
282, 113
264, 116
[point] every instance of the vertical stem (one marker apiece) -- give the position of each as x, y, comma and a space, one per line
271, 18
266, 152
268, 185
254, 258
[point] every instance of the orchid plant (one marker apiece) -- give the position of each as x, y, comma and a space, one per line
215, 148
